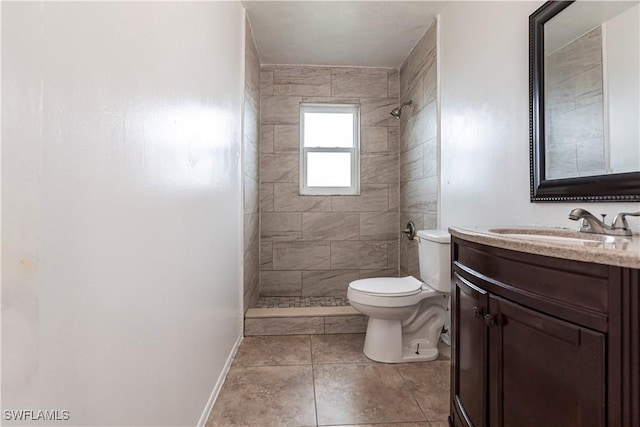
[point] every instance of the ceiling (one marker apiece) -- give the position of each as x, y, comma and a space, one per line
339, 33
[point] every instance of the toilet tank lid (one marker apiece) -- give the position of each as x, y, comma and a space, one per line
440, 236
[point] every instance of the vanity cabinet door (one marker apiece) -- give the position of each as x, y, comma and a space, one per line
469, 306
544, 371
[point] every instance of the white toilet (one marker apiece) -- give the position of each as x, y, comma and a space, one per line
406, 315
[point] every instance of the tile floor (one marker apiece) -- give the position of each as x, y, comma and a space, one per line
325, 380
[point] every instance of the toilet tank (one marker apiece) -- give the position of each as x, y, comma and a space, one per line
434, 252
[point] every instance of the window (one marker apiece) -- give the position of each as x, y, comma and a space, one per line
329, 149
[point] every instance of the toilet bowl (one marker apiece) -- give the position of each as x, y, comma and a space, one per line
406, 315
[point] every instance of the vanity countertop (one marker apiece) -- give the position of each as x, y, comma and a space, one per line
558, 243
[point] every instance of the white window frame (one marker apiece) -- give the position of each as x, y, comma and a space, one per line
306, 107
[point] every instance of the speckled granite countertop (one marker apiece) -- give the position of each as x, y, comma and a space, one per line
558, 243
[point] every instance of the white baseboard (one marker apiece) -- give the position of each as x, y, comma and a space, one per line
219, 383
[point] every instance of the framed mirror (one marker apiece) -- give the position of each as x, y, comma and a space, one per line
584, 83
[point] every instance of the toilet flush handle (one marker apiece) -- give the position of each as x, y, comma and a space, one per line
410, 230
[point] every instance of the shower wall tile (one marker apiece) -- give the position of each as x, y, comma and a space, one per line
251, 195
279, 167
266, 82
327, 283
266, 256
361, 255
378, 226
266, 197
266, 138
301, 256
418, 147
379, 168
287, 199
309, 81
304, 233
373, 198
387, 272
286, 139
330, 226
360, 82
281, 283
331, 99
375, 112
393, 84
280, 110
412, 164
374, 139
279, 226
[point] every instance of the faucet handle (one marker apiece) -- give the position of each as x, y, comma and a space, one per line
620, 221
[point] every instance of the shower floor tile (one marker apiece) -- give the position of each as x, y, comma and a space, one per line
288, 302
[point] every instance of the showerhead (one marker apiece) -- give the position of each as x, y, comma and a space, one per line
396, 111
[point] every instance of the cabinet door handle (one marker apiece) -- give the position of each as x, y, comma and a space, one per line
489, 320
478, 312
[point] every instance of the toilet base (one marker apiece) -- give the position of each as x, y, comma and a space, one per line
383, 343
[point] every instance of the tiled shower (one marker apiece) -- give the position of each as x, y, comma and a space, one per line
308, 248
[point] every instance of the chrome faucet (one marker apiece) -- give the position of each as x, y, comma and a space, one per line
590, 224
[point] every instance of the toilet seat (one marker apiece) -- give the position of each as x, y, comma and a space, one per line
388, 286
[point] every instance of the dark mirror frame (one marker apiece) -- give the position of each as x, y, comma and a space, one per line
621, 187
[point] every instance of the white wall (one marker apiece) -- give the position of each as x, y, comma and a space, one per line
121, 220
623, 75
484, 75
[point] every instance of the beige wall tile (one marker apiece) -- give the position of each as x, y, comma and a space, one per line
266, 256
281, 283
266, 197
419, 195
362, 255
330, 226
301, 256
251, 269
286, 138
422, 54
284, 326
379, 168
393, 84
266, 82
430, 166
332, 99
375, 112
412, 163
287, 199
266, 138
393, 254
281, 167
280, 110
379, 225
394, 139
361, 82
251, 158
309, 81
279, 226
345, 324
327, 283
251, 195
374, 139
394, 197
387, 272
373, 198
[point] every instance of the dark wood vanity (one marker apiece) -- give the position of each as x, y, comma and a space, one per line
539, 340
